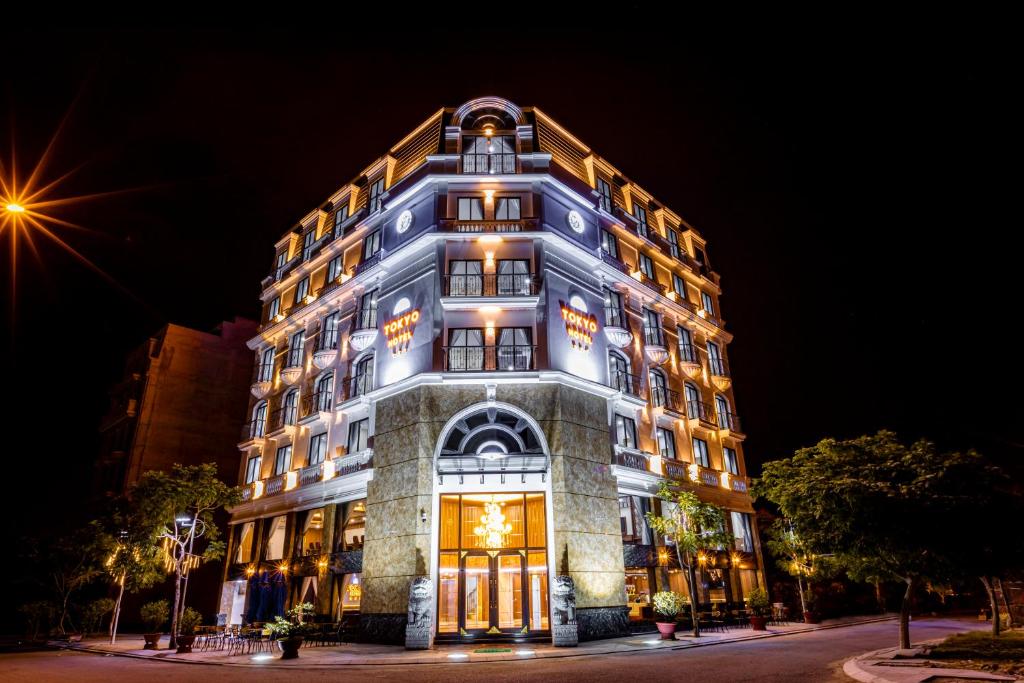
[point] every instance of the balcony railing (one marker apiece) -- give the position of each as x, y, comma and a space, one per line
359, 385
662, 397
311, 474
614, 262
365, 318
730, 421
282, 417
254, 429
368, 263
459, 225
488, 163
328, 340
631, 459
653, 284
263, 372
698, 410
675, 469
688, 353
718, 367
625, 382
504, 357
317, 402
653, 335
308, 476
490, 284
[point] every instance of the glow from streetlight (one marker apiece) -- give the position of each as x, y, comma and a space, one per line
15, 208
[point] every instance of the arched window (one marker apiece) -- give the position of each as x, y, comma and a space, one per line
362, 380
259, 420
659, 392
618, 372
266, 371
491, 438
291, 406
694, 407
325, 392
723, 412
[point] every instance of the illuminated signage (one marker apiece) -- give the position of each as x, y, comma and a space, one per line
398, 331
580, 326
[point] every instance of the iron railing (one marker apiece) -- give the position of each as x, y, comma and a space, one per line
688, 353
698, 410
624, 382
662, 397
319, 401
654, 335
490, 284
365, 318
368, 263
730, 421
459, 225
718, 367
632, 460
504, 357
488, 163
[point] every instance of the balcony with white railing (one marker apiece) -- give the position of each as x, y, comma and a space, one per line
311, 475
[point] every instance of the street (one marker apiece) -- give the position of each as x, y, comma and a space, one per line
816, 656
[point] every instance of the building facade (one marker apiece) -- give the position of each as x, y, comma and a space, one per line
477, 361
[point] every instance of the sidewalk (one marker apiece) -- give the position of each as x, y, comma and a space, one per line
364, 654
893, 665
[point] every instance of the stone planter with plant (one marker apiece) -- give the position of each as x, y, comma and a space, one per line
667, 606
291, 631
154, 616
760, 606
187, 623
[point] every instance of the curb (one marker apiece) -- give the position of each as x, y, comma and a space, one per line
853, 669
543, 654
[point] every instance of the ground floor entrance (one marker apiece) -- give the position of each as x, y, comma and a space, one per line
492, 566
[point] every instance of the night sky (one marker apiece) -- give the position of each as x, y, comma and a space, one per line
848, 188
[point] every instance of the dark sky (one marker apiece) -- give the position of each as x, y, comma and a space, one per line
848, 187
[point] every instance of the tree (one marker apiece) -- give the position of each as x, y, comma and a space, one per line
64, 567
884, 509
696, 528
178, 509
795, 558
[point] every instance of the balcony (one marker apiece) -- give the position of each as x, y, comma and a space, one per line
368, 263
490, 285
616, 329
291, 373
651, 283
262, 379
700, 414
634, 460
364, 328
281, 418
654, 345
467, 226
253, 430
505, 358
490, 164
667, 399
615, 263
625, 383
317, 406
332, 468
720, 376
729, 425
326, 349
689, 361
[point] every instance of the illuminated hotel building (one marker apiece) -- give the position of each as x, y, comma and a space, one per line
477, 361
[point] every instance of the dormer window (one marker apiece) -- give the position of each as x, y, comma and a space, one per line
641, 220
307, 243
604, 191
340, 215
376, 192
489, 153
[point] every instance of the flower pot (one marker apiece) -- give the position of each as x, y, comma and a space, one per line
290, 646
151, 640
759, 623
811, 618
666, 629
185, 644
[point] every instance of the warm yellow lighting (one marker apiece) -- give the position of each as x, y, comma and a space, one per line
283, 567
694, 471
736, 558
328, 470
637, 275
489, 196
656, 465
15, 208
322, 564
290, 480
250, 570
489, 239
257, 489
724, 477
493, 528
702, 559
490, 310
489, 259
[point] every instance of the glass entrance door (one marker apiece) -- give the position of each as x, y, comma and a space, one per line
492, 599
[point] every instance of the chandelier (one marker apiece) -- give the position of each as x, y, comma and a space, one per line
492, 528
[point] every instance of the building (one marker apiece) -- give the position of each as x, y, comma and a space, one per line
477, 361
179, 401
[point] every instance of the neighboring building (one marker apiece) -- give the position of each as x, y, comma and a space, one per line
179, 401
477, 361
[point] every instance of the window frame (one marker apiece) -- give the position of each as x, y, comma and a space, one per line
701, 456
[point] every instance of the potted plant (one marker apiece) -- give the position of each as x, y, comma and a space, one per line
668, 605
154, 615
187, 623
291, 631
759, 605
810, 614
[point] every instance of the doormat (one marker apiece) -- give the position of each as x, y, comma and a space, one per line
492, 650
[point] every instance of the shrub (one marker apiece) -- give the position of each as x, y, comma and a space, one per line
92, 615
188, 621
668, 604
758, 602
154, 614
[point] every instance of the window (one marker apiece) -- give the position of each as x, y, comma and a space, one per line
334, 269
367, 314
613, 315
700, 257
301, 290
618, 371
243, 552
742, 531
253, 466
647, 266
673, 242
715, 360
372, 245
307, 243
325, 393
376, 190
358, 436
259, 420
275, 537
641, 219
274, 309
267, 365
295, 349
329, 331
694, 407
625, 432
471, 209
687, 353
465, 349
666, 443
506, 209
679, 286
489, 154
659, 393
726, 420
313, 532
709, 306
633, 519
515, 348
291, 406
732, 463
317, 448
609, 245
652, 328
513, 277
354, 528
700, 452
604, 191
465, 278
282, 258
283, 460
362, 382
341, 215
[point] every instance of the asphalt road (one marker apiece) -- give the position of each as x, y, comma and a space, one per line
800, 657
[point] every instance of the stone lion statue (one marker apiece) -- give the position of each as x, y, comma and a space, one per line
420, 594
563, 601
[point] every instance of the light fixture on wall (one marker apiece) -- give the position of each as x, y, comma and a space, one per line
423, 515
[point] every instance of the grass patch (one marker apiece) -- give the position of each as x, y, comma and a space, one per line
981, 645
492, 650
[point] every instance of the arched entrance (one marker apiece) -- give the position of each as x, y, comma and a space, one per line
493, 533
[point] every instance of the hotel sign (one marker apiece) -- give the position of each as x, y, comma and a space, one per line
398, 331
580, 326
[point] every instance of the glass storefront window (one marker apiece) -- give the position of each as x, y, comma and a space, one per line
448, 593
351, 593
275, 537
313, 532
353, 529
638, 592
243, 553
538, 581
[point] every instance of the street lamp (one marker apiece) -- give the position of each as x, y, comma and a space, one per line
14, 207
